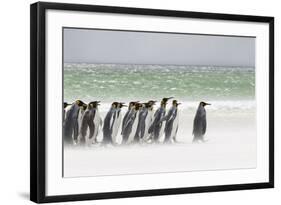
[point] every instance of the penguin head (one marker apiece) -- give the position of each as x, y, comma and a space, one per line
146, 105
131, 104
178, 104
204, 104
121, 104
175, 103
114, 104
94, 104
142, 105
165, 100
151, 102
65, 104
138, 106
80, 103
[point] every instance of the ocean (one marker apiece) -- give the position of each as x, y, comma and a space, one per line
113, 82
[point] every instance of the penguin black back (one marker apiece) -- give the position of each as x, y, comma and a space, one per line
200, 122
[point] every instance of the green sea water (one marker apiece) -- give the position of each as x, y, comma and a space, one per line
115, 82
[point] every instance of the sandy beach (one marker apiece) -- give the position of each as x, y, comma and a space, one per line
231, 144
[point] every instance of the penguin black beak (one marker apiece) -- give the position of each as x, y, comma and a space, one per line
152, 102
207, 104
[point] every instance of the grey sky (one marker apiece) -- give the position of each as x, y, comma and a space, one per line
125, 47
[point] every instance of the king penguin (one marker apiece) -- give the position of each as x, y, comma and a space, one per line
141, 115
130, 128
145, 120
97, 121
131, 104
88, 126
108, 124
117, 121
200, 123
80, 118
134, 121
70, 125
172, 122
156, 129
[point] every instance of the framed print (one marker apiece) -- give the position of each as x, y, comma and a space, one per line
129, 102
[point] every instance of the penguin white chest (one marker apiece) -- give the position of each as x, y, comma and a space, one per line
80, 117
96, 123
134, 128
161, 133
116, 127
175, 126
148, 121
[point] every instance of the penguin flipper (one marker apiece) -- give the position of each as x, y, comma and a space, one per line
151, 128
168, 116
204, 126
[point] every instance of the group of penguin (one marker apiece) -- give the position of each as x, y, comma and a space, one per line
140, 124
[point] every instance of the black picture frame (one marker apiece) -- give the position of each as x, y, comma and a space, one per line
38, 101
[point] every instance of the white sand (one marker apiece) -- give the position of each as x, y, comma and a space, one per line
231, 145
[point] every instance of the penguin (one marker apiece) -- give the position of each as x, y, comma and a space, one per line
131, 126
80, 118
145, 120
88, 123
108, 124
172, 122
66, 107
97, 122
200, 123
141, 115
128, 122
131, 104
156, 129
117, 121
149, 119
70, 125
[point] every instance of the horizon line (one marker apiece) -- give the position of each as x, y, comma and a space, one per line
244, 66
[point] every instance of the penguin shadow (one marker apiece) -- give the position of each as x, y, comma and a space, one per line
24, 195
